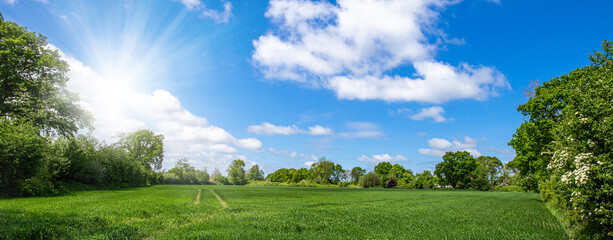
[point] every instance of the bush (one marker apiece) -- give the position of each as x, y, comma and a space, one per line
370, 179
22, 154
390, 182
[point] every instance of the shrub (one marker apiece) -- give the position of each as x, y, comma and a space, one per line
390, 182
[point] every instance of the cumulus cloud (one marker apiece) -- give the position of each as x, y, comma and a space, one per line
382, 158
348, 47
439, 146
434, 112
309, 163
293, 154
267, 128
217, 16
117, 109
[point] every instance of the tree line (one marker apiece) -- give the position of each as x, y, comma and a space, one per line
564, 146
40, 150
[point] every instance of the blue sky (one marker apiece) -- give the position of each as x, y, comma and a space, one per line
282, 83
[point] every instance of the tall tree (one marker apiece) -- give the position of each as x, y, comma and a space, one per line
33, 83
236, 172
383, 168
322, 170
144, 147
356, 173
456, 168
255, 173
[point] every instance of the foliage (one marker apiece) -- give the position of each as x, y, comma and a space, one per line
383, 168
322, 170
255, 173
456, 169
145, 147
390, 182
33, 83
236, 172
425, 180
370, 179
22, 154
581, 167
356, 173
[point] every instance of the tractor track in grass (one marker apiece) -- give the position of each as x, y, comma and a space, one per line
197, 201
223, 203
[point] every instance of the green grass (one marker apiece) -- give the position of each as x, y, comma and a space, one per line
169, 212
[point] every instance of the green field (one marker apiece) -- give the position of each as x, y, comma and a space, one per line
195, 212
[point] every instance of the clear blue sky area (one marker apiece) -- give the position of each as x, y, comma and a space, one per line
282, 83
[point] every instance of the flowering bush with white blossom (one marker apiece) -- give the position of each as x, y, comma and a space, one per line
581, 181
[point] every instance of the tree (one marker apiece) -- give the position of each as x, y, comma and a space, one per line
236, 172
216, 174
383, 168
370, 179
338, 174
322, 170
144, 147
396, 171
300, 174
492, 165
356, 173
581, 157
33, 83
255, 173
22, 153
456, 168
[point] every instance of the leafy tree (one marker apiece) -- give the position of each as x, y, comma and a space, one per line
33, 83
216, 173
456, 168
356, 173
383, 168
281, 175
300, 174
22, 154
255, 173
425, 180
338, 174
370, 179
581, 166
492, 165
322, 170
396, 171
202, 176
144, 147
236, 172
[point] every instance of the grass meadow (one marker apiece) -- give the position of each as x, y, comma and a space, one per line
251, 212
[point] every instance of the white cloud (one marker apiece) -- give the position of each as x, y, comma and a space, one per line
117, 109
267, 128
293, 154
362, 130
217, 16
348, 47
319, 130
309, 163
434, 112
440, 146
382, 158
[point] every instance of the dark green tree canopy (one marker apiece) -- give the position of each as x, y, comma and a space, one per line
456, 168
383, 168
33, 83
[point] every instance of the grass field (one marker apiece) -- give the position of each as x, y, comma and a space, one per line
241, 212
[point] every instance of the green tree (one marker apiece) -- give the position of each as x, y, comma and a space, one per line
144, 147
396, 171
456, 169
216, 173
22, 154
383, 168
300, 174
322, 170
581, 165
356, 173
338, 174
371, 179
492, 165
236, 172
255, 173
33, 83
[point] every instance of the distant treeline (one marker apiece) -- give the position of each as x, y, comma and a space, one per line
458, 170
